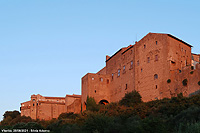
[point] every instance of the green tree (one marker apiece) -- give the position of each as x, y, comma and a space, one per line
12, 114
91, 104
131, 99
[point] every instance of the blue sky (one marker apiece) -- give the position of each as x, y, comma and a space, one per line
46, 46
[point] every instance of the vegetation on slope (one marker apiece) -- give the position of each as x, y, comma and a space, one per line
177, 114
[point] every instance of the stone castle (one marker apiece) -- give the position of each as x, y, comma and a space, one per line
157, 66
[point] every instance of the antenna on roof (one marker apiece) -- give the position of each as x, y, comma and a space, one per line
136, 37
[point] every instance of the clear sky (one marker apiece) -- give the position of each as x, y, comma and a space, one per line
46, 46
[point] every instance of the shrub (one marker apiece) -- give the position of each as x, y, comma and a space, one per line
169, 81
69, 115
20, 125
97, 123
33, 125
68, 128
185, 81
131, 99
189, 115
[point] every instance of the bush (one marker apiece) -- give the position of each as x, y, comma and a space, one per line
131, 99
185, 81
189, 115
192, 128
154, 125
21, 119
33, 125
98, 123
69, 115
67, 128
169, 81
20, 125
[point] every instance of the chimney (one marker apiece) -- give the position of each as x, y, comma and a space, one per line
107, 57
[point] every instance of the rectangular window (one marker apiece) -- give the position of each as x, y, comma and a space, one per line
107, 81
131, 64
118, 74
148, 59
156, 57
112, 76
138, 63
101, 79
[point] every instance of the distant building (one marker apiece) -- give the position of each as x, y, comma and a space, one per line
155, 66
46, 108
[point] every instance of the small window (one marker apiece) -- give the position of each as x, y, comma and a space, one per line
95, 91
131, 64
126, 87
185, 51
101, 79
192, 57
112, 76
33, 104
144, 46
156, 86
148, 59
141, 70
118, 74
124, 68
107, 81
138, 62
156, 76
156, 57
33, 100
156, 42
92, 78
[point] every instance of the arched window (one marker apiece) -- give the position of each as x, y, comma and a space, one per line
156, 76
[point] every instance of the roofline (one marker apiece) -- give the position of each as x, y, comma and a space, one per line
179, 40
128, 49
76, 96
195, 54
54, 97
114, 54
